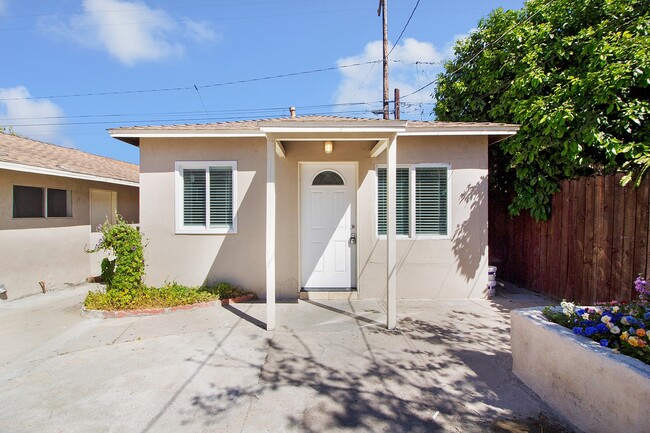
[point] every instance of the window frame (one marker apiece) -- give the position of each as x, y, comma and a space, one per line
44, 200
412, 193
180, 228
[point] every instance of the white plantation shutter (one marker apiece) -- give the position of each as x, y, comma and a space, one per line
221, 197
431, 200
401, 206
194, 197
205, 196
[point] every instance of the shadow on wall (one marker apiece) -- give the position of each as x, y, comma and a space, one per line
472, 232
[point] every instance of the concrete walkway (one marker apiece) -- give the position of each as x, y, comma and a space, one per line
330, 367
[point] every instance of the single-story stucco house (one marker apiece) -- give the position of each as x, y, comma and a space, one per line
293, 206
51, 200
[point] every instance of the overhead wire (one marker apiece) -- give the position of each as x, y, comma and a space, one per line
186, 88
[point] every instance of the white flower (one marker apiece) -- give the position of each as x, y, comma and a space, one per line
615, 309
615, 330
585, 316
605, 319
567, 307
624, 321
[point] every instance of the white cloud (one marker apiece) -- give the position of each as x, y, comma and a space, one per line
365, 83
200, 31
131, 31
18, 112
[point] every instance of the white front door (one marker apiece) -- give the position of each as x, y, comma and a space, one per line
327, 221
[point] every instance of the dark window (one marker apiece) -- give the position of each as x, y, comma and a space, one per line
327, 178
28, 202
34, 202
57, 203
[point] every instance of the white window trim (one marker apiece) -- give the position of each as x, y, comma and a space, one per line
412, 167
178, 203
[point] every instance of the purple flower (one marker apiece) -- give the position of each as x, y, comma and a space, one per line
591, 330
604, 342
646, 316
577, 330
641, 285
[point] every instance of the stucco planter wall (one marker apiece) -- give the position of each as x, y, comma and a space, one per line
591, 386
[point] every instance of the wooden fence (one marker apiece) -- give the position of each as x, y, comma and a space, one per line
591, 249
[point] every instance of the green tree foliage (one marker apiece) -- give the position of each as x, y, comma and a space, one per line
575, 74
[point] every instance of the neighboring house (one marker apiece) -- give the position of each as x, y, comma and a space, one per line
51, 200
304, 204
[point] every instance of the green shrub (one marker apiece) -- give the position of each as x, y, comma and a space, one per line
125, 243
225, 290
169, 295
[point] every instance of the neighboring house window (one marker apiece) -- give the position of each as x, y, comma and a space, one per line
205, 196
422, 206
35, 202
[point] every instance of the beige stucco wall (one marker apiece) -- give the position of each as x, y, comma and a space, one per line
197, 259
450, 268
51, 249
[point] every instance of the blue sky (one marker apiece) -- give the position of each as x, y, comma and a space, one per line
73, 68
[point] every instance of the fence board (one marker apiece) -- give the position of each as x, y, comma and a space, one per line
641, 229
629, 228
588, 258
565, 227
620, 211
577, 263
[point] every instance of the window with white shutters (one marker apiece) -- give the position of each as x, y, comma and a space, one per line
205, 196
431, 201
422, 201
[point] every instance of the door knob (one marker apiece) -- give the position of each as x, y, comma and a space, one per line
353, 239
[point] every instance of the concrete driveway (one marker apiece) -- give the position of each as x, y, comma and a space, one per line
330, 367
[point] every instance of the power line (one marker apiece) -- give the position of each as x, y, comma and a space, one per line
179, 117
483, 49
404, 29
186, 88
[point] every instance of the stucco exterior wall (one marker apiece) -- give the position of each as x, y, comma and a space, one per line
51, 249
238, 258
451, 268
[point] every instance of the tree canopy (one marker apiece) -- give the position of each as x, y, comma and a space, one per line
575, 74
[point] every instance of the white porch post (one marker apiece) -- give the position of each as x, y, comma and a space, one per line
391, 233
270, 234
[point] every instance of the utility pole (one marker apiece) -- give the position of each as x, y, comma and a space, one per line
381, 11
396, 104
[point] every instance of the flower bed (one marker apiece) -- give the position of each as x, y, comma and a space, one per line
579, 378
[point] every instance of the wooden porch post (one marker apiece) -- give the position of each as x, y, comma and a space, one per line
270, 234
391, 233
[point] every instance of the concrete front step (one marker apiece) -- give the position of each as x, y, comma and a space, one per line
322, 294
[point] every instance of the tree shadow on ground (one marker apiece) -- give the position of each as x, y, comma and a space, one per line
449, 374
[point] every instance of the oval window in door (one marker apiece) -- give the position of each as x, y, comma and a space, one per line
327, 178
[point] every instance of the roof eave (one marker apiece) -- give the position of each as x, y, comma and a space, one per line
62, 173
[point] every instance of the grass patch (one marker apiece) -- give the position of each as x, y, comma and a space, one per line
169, 295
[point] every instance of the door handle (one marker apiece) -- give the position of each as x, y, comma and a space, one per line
353, 239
